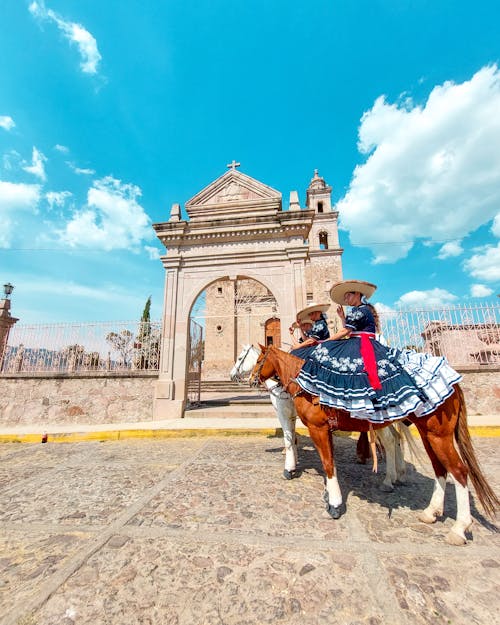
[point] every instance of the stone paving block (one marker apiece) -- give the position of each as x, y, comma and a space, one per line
91, 482
191, 583
250, 498
446, 590
94, 496
27, 560
206, 531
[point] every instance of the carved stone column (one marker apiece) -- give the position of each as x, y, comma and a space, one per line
6, 323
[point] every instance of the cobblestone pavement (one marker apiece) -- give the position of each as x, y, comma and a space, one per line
204, 531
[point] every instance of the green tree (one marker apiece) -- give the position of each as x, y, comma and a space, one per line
147, 344
145, 324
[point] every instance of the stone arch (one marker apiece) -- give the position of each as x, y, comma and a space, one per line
234, 314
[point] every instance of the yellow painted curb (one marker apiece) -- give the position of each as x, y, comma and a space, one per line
115, 435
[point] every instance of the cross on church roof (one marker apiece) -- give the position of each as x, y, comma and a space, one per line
233, 165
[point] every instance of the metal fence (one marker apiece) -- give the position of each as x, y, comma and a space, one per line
83, 347
466, 335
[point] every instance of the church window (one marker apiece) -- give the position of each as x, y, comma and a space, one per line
323, 241
320, 207
219, 290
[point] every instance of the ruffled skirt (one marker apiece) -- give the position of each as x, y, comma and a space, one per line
412, 383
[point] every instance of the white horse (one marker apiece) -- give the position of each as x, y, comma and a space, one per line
282, 403
390, 437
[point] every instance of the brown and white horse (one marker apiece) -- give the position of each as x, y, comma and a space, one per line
438, 431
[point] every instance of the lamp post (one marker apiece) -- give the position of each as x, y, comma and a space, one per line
6, 321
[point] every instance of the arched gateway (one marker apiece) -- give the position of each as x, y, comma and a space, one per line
238, 230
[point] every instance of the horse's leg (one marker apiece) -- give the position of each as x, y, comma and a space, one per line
456, 535
285, 411
448, 456
436, 504
400, 455
445, 459
388, 439
362, 448
322, 439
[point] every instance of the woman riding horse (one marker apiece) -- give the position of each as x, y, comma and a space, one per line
313, 328
353, 371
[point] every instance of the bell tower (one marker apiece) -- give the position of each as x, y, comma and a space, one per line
325, 254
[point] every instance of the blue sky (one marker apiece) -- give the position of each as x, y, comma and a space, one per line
112, 111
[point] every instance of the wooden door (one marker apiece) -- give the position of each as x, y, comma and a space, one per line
273, 332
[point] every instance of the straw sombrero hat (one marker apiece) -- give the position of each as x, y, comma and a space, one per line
338, 290
312, 307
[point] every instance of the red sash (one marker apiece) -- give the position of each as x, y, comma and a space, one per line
368, 356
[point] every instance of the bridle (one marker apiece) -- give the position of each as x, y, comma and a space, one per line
255, 376
256, 381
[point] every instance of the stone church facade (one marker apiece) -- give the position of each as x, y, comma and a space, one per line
257, 265
241, 312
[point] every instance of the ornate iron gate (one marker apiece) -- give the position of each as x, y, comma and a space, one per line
195, 360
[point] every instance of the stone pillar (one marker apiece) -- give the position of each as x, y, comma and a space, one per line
170, 390
6, 323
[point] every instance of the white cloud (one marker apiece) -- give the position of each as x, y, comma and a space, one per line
495, 228
61, 148
426, 299
432, 171
6, 122
450, 250
112, 218
485, 264
37, 166
479, 290
154, 252
57, 198
76, 33
80, 170
11, 160
15, 198
384, 309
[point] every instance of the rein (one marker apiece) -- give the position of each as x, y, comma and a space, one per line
256, 377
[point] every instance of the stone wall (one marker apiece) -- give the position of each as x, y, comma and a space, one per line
481, 388
65, 400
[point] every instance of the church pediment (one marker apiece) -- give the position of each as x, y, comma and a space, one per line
231, 189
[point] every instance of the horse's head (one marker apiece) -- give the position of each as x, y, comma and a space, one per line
264, 367
244, 363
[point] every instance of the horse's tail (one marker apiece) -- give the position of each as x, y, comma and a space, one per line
486, 496
406, 438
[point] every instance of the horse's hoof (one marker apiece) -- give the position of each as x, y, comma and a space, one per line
386, 488
335, 511
452, 538
288, 475
426, 517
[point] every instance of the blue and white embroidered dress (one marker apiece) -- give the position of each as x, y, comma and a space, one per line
410, 382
